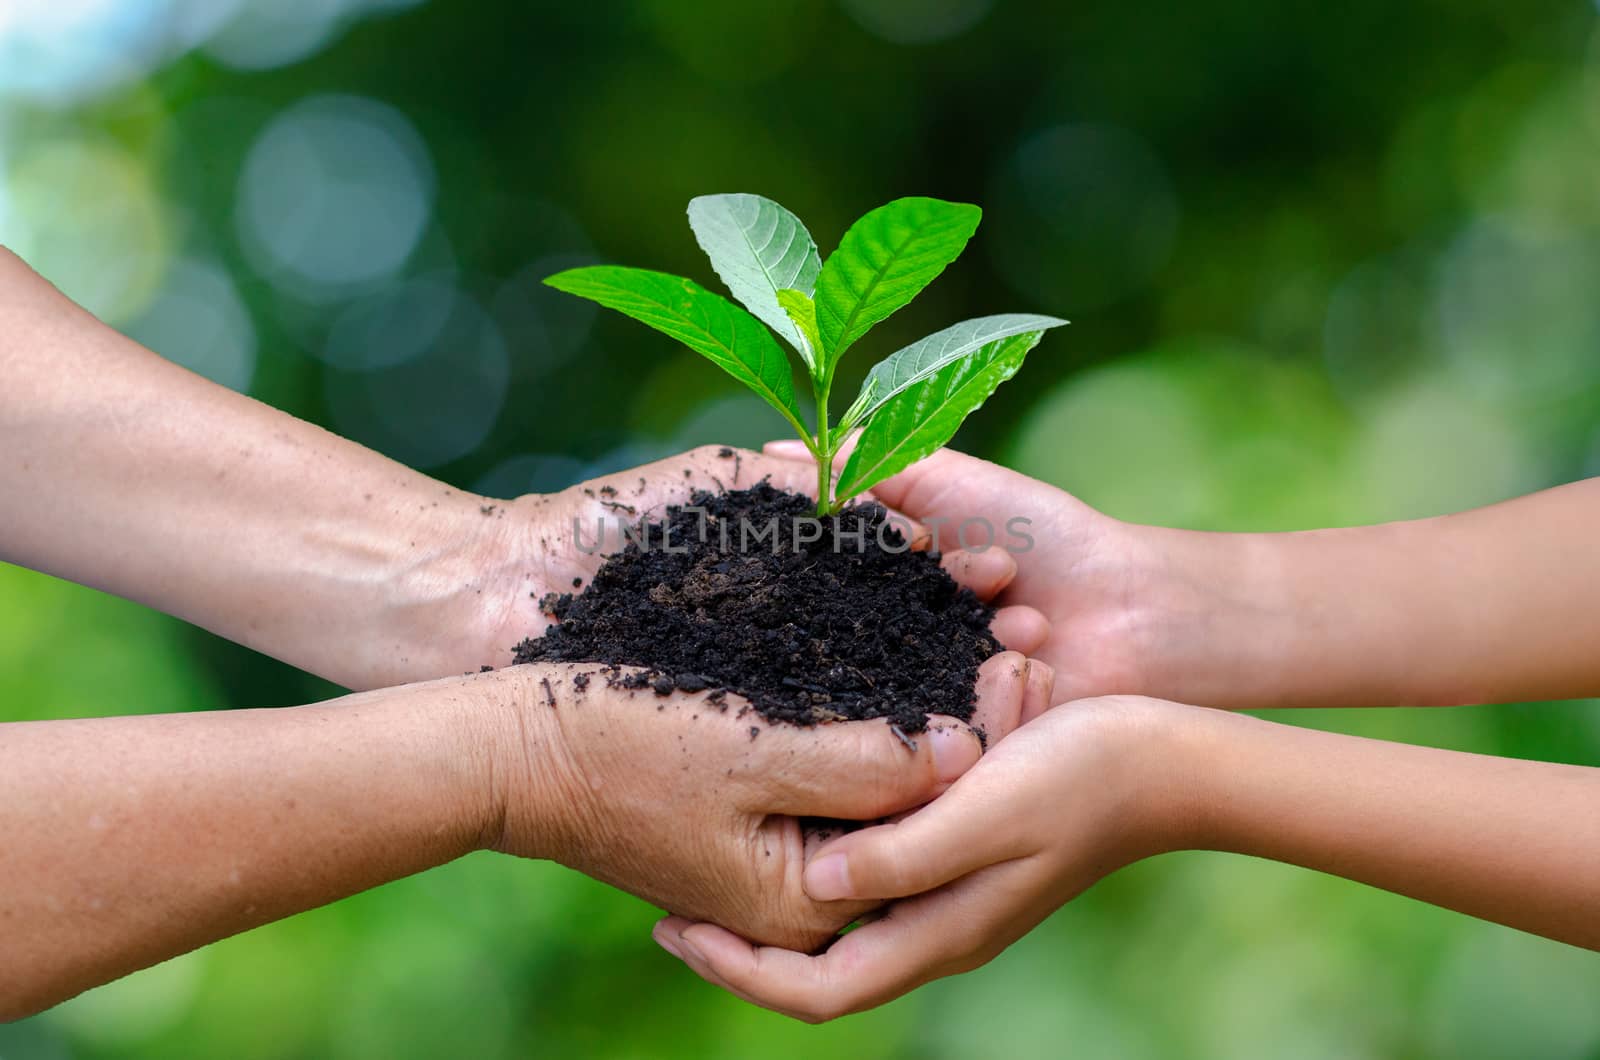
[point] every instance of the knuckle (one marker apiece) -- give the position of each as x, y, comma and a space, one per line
884, 780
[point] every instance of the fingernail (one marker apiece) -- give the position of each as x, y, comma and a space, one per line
666, 941
954, 751
690, 952
827, 879
787, 447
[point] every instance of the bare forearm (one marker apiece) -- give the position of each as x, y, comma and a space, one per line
126, 472
1512, 841
1489, 605
131, 840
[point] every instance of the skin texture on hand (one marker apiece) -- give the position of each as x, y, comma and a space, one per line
1093, 785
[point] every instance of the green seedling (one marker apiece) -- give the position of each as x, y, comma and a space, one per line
910, 403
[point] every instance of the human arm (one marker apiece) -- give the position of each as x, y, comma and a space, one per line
1489, 605
130, 474
1094, 785
130, 840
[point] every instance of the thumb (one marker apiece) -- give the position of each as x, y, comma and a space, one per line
863, 770
956, 834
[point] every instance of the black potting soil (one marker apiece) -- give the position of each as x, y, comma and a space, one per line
809, 619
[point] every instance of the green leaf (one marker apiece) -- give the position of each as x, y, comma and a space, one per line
759, 249
921, 359
925, 415
707, 323
886, 258
803, 312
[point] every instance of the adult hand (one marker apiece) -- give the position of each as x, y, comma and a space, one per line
695, 805
539, 544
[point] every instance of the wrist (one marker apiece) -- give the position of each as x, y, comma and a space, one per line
1203, 617
1161, 764
461, 569
425, 760
526, 808
492, 734
1207, 751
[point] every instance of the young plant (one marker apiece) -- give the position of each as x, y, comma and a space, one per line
910, 403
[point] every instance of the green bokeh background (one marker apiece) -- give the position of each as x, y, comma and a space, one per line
1327, 264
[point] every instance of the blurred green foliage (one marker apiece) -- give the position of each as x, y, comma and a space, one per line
1326, 265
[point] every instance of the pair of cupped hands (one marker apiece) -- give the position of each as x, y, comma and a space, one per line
699, 810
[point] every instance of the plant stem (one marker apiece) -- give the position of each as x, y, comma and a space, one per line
824, 447
824, 482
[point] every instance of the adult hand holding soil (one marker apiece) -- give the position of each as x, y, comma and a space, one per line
130, 840
1490, 605
1094, 785
556, 542
694, 804
125, 472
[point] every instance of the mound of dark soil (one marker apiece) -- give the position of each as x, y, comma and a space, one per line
811, 620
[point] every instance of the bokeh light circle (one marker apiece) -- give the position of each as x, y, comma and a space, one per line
398, 324
1375, 332
1518, 310
1547, 178
436, 405
85, 215
1500, 992
198, 320
336, 193
627, 456
139, 1007
63, 52
1430, 449
543, 326
261, 35
735, 419
530, 473
1207, 435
